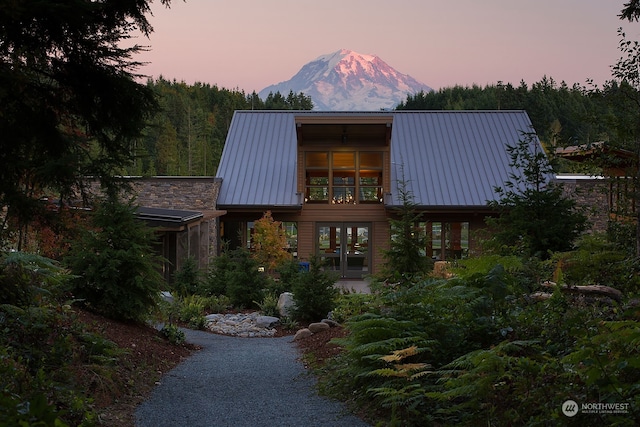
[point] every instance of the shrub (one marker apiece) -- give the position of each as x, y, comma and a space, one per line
41, 357
354, 304
24, 277
314, 292
216, 280
117, 271
599, 262
217, 304
536, 217
235, 274
405, 261
191, 310
269, 305
188, 279
173, 334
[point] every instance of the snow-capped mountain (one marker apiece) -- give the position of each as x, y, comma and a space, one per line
349, 81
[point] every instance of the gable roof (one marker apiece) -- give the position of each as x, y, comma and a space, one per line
448, 159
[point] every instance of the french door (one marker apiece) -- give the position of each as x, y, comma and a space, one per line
345, 247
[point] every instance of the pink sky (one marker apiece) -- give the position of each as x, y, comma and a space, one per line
251, 44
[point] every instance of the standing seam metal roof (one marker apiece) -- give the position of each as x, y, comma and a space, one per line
447, 158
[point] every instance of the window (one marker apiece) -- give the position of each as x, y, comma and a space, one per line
317, 167
446, 240
343, 177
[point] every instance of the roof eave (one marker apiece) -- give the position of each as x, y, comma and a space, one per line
262, 208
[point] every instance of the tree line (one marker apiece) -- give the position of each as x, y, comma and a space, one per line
187, 134
561, 115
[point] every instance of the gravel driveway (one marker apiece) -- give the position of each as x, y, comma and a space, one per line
241, 382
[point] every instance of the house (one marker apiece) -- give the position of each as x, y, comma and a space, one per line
333, 178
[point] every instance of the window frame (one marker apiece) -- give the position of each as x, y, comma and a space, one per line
352, 189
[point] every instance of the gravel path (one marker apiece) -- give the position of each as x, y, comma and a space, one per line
241, 382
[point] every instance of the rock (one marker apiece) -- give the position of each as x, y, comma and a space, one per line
166, 296
318, 327
266, 321
241, 324
285, 304
302, 333
331, 323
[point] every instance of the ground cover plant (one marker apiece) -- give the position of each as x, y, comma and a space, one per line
63, 366
479, 349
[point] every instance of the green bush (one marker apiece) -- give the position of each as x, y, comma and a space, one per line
188, 279
269, 305
216, 280
191, 309
354, 304
36, 359
598, 262
25, 277
217, 304
314, 292
477, 349
235, 274
173, 334
117, 271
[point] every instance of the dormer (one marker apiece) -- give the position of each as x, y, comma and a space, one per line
343, 159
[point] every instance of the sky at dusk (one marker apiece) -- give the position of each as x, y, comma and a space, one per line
251, 44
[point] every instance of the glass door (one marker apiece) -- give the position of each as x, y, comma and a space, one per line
345, 248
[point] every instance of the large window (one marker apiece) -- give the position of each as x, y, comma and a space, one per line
343, 177
446, 240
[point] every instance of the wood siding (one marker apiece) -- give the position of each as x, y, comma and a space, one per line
375, 215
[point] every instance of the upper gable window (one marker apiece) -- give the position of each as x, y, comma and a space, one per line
343, 177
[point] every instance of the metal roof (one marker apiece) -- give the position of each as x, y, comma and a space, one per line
167, 217
448, 159
258, 163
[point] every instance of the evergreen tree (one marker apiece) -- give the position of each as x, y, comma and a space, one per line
535, 218
70, 104
117, 273
405, 260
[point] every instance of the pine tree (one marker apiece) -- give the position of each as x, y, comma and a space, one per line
405, 260
535, 217
117, 272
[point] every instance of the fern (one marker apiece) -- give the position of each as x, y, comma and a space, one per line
473, 381
406, 393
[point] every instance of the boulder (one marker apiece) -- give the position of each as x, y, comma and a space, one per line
318, 327
266, 321
302, 333
330, 322
285, 304
166, 296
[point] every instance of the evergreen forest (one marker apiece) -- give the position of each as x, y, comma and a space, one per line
185, 137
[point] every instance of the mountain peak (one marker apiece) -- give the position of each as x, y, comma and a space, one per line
349, 81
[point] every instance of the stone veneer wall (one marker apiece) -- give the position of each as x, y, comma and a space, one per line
590, 192
184, 193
